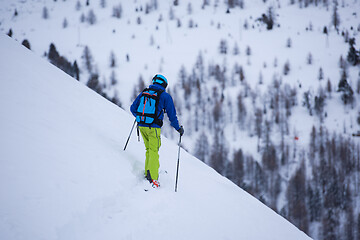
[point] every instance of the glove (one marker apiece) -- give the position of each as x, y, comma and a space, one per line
181, 130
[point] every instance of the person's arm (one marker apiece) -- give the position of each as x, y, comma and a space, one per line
135, 105
171, 112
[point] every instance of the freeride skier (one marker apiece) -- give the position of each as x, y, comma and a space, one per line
148, 108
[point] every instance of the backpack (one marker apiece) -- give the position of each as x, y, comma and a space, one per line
147, 112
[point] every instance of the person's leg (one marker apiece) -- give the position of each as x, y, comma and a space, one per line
154, 145
144, 134
152, 150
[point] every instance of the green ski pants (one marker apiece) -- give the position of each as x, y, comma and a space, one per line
152, 142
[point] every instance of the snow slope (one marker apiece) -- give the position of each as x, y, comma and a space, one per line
64, 175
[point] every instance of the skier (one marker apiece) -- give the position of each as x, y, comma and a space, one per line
148, 108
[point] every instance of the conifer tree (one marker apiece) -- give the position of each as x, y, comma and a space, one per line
307, 101
10, 32
238, 165
94, 83
269, 158
330, 224
289, 43
112, 60
345, 88
319, 103
205, 3
218, 156
358, 227
321, 74
171, 14
199, 66
117, 11
236, 50
78, 6
349, 231
230, 3
65, 23
223, 47
314, 204
26, 44
335, 19
332, 201
241, 110
91, 18
76, 71
270, 18
113, 79
309, 59
258, 125
329, 87
53, 55
296, 195
45, 13
286, 68
115, 99
241, 73
82, 18
248, 51
103, 3
189, 8
353, 56
202, 148
87, 58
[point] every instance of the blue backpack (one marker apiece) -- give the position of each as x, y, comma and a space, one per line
147, 112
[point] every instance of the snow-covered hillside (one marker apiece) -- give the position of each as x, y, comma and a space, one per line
271, 105
64, 175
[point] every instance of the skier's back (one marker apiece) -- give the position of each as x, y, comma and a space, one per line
148, 108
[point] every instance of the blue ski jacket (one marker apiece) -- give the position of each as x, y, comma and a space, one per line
165, 102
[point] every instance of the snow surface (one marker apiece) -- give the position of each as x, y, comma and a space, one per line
64, 174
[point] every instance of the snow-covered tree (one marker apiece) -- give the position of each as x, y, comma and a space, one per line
117, 11
91, 17
344, 87
87, 58
45, 13
113, 79
202, 147
65, 23
223, 46
112, 59
286, 69
78, 6
353, 56
103, 3
335, 18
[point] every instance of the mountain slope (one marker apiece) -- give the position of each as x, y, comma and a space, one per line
64, 175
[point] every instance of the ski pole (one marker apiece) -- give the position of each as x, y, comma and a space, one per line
129, 135
138, 134
177, 168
